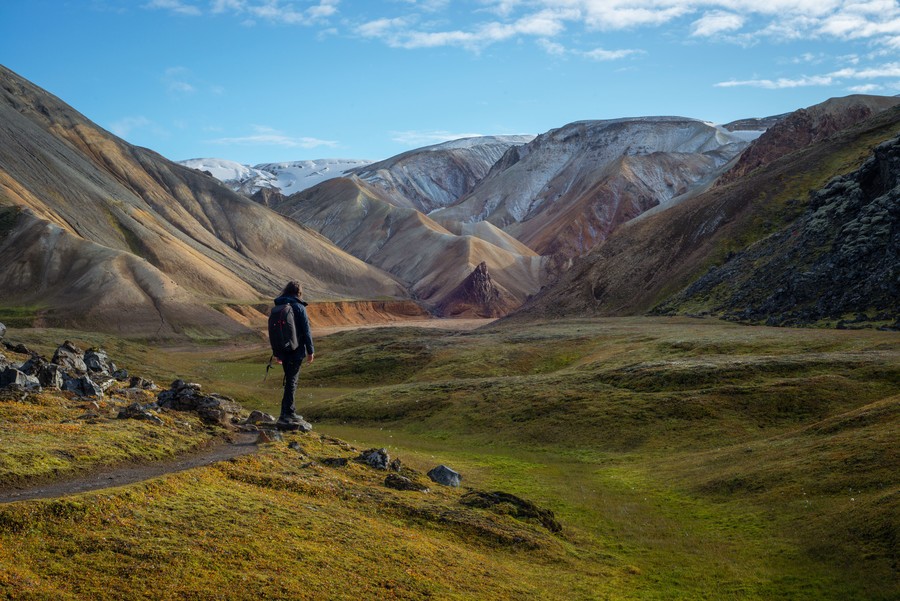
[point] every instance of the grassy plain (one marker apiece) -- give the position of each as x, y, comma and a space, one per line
685, 458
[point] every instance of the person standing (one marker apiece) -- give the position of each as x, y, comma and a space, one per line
292, 359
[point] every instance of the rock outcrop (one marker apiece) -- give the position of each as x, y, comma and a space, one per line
445, 475
477, 296
187, 396
839, 261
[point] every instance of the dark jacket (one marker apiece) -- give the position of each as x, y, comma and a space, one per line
301, 321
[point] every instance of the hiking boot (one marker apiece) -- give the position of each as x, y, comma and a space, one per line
291, 417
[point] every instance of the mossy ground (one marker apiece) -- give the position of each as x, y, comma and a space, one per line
686, 459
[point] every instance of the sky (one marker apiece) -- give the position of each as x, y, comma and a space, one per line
258, 81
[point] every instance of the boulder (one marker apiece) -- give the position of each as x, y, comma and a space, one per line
82, 386
444, 475
51, 375
120, 374
4, 362
398, 482
70, 357
258, 417
97, 361
137, 411
396, 465
138, 382
376, 458
17, 348
212, 408
268, 436
508, 504
11, 376
335, 461
2, 331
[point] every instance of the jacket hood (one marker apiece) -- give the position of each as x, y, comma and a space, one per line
283, 300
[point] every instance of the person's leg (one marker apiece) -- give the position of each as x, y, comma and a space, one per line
291, 376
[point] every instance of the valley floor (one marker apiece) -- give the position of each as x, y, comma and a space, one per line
684, 458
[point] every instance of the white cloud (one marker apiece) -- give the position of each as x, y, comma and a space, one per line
126, 125
865, 89
268, 136
779, 84
551, 47
599, 54
716, 22
417, 139
176, 6
887, 70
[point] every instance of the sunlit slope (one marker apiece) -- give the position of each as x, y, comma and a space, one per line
207, 242
649, 259
431, 259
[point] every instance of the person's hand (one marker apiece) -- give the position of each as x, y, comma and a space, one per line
310, 357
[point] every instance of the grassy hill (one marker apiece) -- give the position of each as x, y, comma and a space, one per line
684, 458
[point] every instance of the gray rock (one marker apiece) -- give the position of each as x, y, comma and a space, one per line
2, 331
376, 458
398, 482
266, 436
11, 376
259, 417
82, 386
4, 362
97, 361
120, 374
335, 461
444, 475
17, 348
246, 428
70, 357
51, 375
396, 465
137, 411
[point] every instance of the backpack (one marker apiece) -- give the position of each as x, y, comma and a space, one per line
282, 330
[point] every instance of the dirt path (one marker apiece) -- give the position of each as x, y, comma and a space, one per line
243, 444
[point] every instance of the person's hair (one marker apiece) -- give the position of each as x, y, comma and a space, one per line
292, 289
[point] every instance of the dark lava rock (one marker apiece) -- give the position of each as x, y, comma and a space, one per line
444, 475
396, 465
266, 436
335, 461
2, 331
212, 408
17, 348
137, 411
505, 503
120, 375
398, 482
142, 383
12, 377
51, 375
70, 357
4, 362
83, 386
294, 425
97, 361
376, 458
258, 417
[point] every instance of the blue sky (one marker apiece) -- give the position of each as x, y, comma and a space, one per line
278, 80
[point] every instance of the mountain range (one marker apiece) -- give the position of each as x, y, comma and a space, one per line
620, 216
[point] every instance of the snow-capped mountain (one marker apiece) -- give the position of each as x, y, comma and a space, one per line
288, 178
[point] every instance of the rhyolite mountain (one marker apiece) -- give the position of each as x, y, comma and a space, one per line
436, 176
285, 178
97, 233
567, 189
787, 224
432, 260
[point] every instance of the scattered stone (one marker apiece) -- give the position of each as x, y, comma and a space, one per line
69, 357
137, 411
142, 383
266, 436
396, 465
51, 375
398, 482
258, 417
294, 425
444, 475
17, 348
375, 458
12, 377
2, 331
505, 503
97, 361
335, 461
212, 408
246, 428
4, 362
120, 374
82, 386
294, 445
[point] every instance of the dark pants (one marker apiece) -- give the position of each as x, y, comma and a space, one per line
291, 367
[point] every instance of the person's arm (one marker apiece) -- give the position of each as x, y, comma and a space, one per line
304, 335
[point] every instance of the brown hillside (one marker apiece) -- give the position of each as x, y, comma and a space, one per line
647, 260
206, 242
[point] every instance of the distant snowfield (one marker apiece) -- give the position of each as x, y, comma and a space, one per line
289, 177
